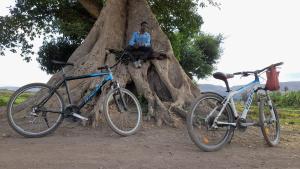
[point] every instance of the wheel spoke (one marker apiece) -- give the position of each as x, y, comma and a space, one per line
46, 120
270, 127
123, 121
201, 123
30, 119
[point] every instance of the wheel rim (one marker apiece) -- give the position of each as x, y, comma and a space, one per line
124, 121
270, 126
25, 117
202, 124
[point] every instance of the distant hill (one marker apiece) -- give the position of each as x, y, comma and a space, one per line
291, 86
218, 89
212, 88
11, 88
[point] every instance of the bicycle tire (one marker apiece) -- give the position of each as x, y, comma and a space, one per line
111, 112
265, 128
201, 140
24, 100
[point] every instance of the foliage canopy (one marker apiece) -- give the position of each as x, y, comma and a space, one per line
63, 24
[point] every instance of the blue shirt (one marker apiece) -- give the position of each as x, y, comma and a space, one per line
142, 39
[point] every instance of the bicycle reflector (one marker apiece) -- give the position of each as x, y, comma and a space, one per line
272, 79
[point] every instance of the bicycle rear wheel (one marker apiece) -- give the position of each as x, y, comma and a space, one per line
33, 111
270, 125
123, 112
201, 119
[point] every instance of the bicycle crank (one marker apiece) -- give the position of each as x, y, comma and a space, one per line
80, 117
73, 111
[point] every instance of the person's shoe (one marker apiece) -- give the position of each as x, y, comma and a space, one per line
136, 64
139, 64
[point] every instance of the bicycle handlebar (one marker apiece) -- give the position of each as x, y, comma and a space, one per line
242, 73
278, 64
115, 51
247, 73
271, 66
105, 67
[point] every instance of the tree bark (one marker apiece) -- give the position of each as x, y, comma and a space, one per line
92, 7
163, 83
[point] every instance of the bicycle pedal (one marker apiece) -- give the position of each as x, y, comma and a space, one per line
247, 124
241, 125
80, 117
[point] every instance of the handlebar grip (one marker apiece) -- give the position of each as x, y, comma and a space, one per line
277, 64
272, 66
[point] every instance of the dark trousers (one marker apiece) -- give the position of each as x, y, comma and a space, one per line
142, 52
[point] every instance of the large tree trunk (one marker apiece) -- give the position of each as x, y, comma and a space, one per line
92, 7
163, 83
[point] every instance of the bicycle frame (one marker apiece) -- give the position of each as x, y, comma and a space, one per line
254, 86
98, 89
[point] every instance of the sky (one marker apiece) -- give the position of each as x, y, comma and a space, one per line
14, 71
257, 33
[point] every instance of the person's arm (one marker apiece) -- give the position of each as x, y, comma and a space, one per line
132, 41
148, 41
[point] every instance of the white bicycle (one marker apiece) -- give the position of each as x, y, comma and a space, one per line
214, 118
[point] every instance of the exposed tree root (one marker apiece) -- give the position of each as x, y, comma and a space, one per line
163, 83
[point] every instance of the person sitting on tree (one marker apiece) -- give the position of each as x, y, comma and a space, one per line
140, 45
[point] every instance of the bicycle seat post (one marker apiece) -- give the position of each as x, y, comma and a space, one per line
66, 85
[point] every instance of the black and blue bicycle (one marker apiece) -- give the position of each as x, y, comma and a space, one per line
37, 109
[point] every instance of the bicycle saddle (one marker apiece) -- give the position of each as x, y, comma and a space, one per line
62, 63
223, 77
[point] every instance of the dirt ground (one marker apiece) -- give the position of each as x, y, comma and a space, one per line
76, 147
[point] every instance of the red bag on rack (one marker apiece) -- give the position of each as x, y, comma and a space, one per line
272, 79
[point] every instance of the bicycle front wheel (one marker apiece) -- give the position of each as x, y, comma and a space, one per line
269, 122
35, 111
123, 112
201, 119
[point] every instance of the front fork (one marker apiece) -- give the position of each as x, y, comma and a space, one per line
122, 107
271, 107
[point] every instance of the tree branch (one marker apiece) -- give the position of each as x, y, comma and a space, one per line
92, 7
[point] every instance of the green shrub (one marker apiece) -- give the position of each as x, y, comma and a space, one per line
287, 99
2, 102
4, 97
